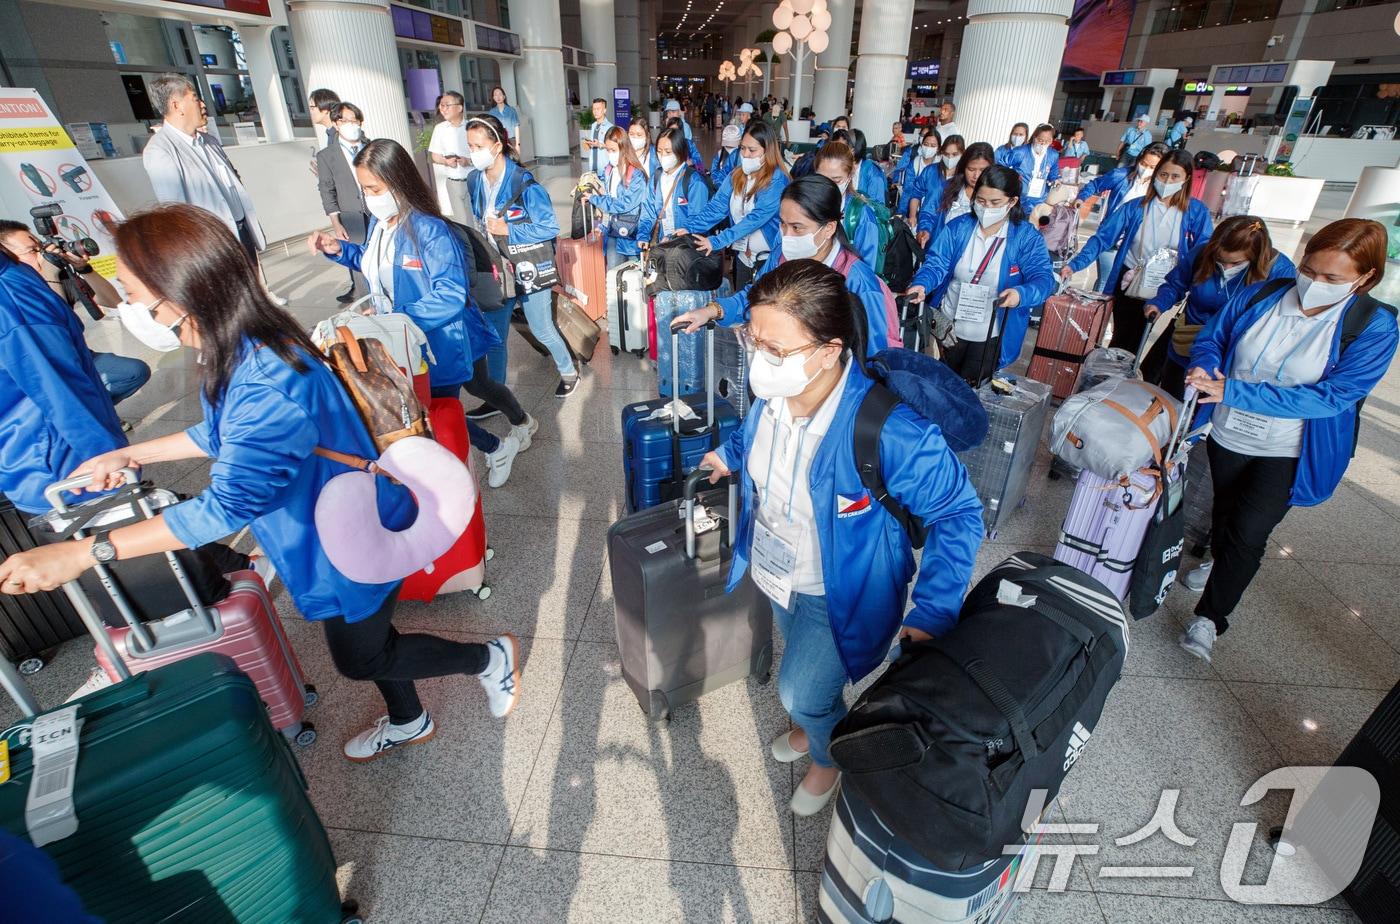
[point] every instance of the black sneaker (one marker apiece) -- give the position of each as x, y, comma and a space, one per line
482, 411
346, 298
566, 386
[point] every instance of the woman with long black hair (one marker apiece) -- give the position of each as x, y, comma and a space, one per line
956, 196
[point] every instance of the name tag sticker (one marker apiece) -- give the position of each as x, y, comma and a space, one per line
1253, 426
974, 303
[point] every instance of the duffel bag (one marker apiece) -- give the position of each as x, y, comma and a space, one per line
1115, 427
949, 743
676, 265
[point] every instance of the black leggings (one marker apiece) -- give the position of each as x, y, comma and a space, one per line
372, 649
974, 361
1129, 324
1251, 498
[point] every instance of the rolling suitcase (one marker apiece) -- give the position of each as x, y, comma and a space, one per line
627, 308
668, 305
679, 634
244, 625
176, 802
872, 876
1374, 893
1071, 326
31, 625
583, 273
580, 332
658, 447
1000, 466
1104, 527
462, 567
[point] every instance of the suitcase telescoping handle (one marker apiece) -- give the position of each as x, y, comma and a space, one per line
676, 328
692, 485
144, 639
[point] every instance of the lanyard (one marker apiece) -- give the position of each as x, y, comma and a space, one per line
1151, 229
796, 461
1278, 373
986, 260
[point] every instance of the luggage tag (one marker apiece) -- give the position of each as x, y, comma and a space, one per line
772, 564
49, 813
1253, 426
974, 302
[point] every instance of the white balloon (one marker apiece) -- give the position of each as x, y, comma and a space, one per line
801, 6
820, 5
801, 28
818, 42
821, 20
782, 17
782, 43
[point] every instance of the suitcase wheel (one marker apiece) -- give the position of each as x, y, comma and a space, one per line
490, 554
614, 349
31, 666
483, 592
1053, 475
351, 909
306, 736
660, 707
310, 697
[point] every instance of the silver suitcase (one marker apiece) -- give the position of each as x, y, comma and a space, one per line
1000, 466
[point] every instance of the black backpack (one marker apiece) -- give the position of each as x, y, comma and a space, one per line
680, 267
903, 257
948, 744
486, 289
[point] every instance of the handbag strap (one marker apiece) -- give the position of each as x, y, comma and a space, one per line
665, 203
986, 260
352, 346
359, 463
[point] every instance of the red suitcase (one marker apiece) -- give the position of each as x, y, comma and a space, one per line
462, 567
1071, 327
583, 274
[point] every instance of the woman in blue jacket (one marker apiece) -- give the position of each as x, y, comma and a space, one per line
750, 202
859, 221
620, 201
270, 404
1019, 133
1166, 219
507, 202
870, 179
677, 190
1038, 164
934, 180
833, 561
1124, 184
412, 257
639, 137
917, 161
987, 271
956, 197
811, 226
726, 159
1238, 257
1286, 366
54, 410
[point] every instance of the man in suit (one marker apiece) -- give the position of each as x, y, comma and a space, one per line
341, 195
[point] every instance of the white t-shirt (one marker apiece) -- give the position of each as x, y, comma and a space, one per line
449, 139
668, 199
750, 246
1287, 348
377, 264
970, 327
947, 131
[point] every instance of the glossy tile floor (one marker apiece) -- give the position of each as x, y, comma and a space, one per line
577, 809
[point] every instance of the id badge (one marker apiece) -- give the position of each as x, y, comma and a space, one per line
974, 303
772, 564
1252, 426
1037, 188
1153, 275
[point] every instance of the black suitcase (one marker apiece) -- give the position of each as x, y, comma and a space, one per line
680, 635
31, 625
1374, 893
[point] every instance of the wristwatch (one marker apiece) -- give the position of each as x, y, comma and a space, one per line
103, 552
84, 269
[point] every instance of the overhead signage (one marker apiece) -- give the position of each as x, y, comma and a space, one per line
252, 7
422, 26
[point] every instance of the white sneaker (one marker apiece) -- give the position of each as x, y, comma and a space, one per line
501, 679
277, 300
498, 463
524, 433
97, 680
1199, 638
383, 736
1196, 578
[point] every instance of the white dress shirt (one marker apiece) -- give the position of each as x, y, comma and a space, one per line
966, 268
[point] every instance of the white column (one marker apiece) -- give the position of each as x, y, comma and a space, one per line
600, 40
1010, 64
540, 76
450, 69
833, 65
627, 25
885, 27
1217, 100
267, 83
1107, 103
348, 46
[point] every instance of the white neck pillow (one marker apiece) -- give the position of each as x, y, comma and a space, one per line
356, 540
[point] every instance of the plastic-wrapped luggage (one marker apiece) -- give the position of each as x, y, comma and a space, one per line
732, 370
1000, 466
1199, 502
182, 803
627, 308
872, 876
1071, 326
668, 305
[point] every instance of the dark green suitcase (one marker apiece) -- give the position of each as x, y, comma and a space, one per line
190, 805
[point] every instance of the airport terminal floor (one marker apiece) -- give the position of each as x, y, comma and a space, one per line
579, 809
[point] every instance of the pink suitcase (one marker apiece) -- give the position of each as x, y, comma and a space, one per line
1105, 525
1070, 328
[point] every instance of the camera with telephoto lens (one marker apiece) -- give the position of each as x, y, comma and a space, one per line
55, 246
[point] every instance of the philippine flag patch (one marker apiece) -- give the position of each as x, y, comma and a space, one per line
412, 263
515, 213
852, 506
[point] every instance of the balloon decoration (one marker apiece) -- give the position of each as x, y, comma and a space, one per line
802, 26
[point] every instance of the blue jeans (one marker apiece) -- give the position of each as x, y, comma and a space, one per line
539, 311
496, 357
122, 376
811, 678
612, 255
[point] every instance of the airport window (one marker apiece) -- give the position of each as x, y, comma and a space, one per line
1186, 15
1328, 6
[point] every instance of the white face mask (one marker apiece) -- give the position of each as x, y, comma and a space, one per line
1017, 140
800, 246
751, 165
928, 151
843, 186
1314, 294
383, 206
1145, 172
1230, 272
638, 144
669, 162
482, 158
136, 318
951, 160
1039, 149
990, 216
785, 380
350, 133
1166, 190
614, 157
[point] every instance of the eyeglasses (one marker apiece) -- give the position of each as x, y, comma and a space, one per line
770, 353
452, 105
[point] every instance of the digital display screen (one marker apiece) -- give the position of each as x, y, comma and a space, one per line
1257, 73
489, 39
426, 27
923, 70
1276, 73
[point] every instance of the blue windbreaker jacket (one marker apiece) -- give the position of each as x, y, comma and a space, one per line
54, 412
1022, 160
866, 555
724, 163
764, 216
1025, 266
1203, 300
631, 193
871, 183
1120, 229
866, 240
689, 199
430, 286
261, 435
1327, 408
533, 220
1112, 185
914, 182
